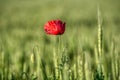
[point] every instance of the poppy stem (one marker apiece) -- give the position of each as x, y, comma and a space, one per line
60, 45
57, 56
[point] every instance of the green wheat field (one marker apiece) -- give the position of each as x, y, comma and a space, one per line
88, 50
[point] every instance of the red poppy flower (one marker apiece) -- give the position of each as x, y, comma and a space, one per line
54, 27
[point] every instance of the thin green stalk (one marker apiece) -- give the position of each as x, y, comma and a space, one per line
101, 57
38, 61
83, 66
88, 66
113, 60
59, 46
32, 63
118, 65
79, 66
57, 55
96, 57
100, 35
3, 68
60, 73
55, 64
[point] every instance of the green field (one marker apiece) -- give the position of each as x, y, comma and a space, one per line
88, 50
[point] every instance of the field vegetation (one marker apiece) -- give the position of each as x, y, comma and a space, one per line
88, 50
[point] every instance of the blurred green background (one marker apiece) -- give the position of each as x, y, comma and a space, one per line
22, 22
